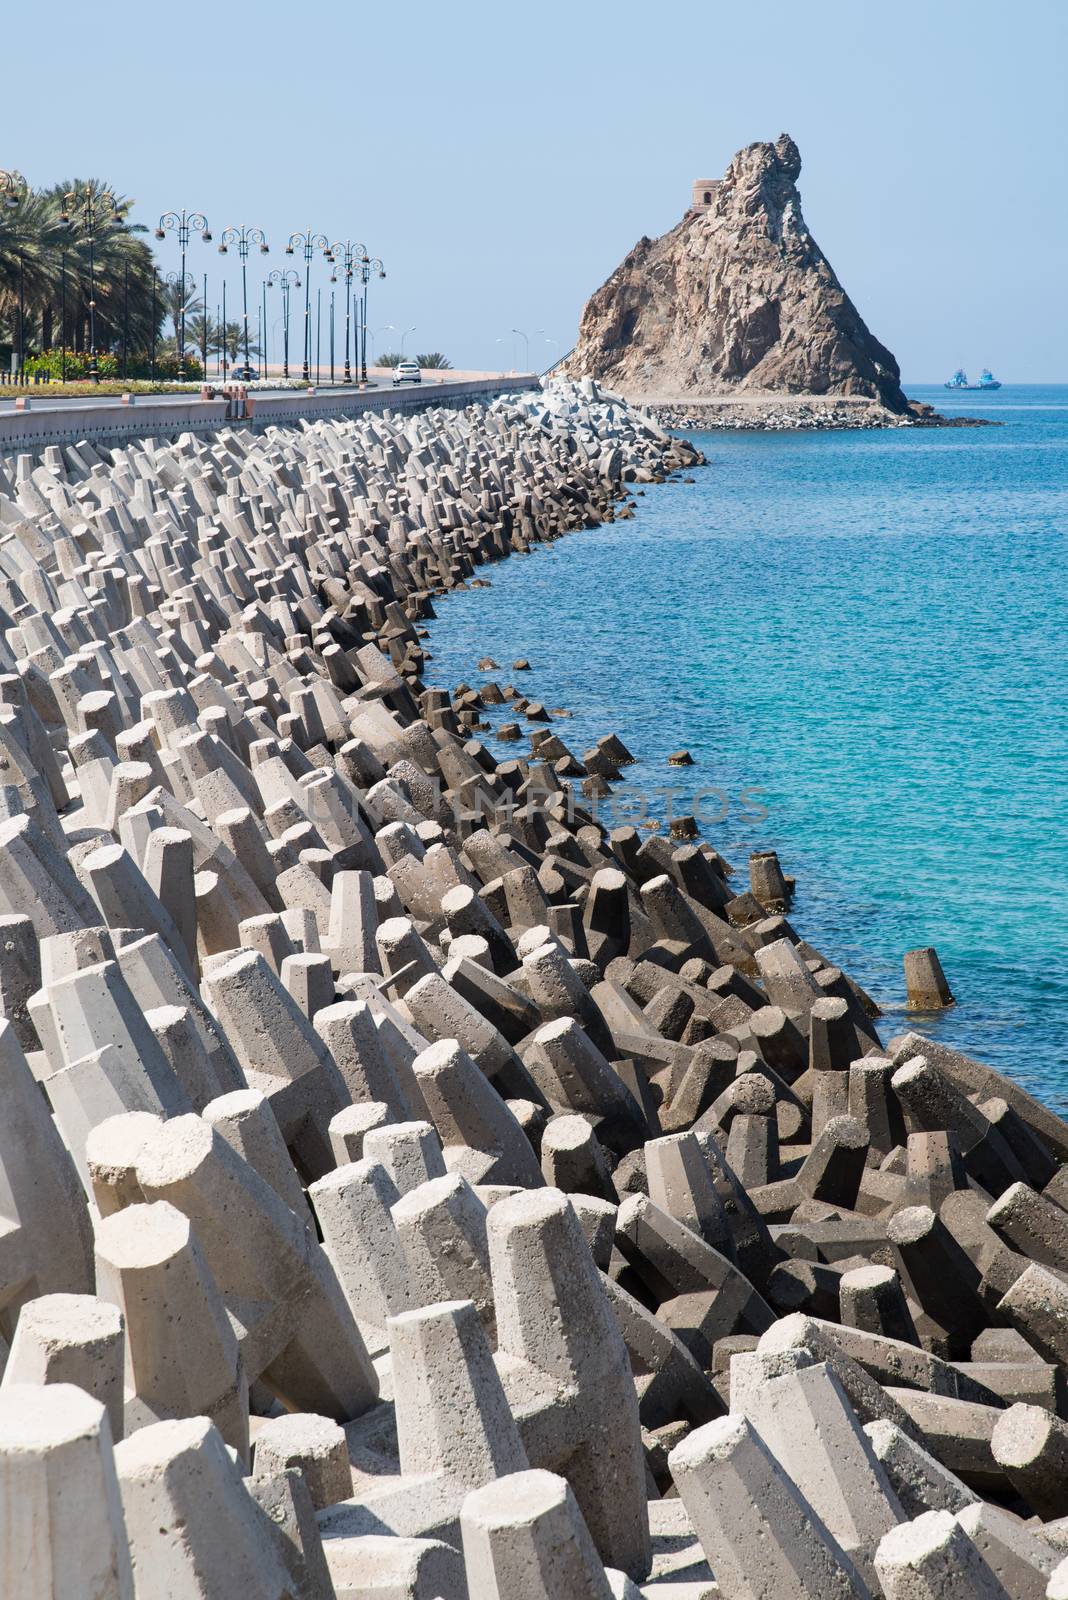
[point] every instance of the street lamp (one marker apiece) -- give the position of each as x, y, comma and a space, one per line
244, 238
90, 202
526, 343
287, 280
344, 255
369, 267
387, 327
185, 284
155, 320
405, 334
125, 318
308, 243
63, 311
184, 224
14, 188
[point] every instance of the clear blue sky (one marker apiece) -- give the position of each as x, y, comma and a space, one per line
503, 158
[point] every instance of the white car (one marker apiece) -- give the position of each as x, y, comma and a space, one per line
406, 372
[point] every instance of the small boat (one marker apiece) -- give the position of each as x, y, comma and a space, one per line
959, 380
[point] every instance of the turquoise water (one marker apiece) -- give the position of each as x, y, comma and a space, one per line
868, 629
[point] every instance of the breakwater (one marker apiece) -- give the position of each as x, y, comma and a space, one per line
40, 421
800, 414
423, 1180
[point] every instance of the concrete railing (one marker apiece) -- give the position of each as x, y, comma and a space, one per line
65, 422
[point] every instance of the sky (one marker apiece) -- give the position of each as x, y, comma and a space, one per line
503, 158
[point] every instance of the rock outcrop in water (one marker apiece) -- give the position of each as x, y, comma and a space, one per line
737, 295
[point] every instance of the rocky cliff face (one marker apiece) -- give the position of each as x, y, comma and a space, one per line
738, 295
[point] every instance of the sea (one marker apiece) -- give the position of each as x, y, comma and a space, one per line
860, 637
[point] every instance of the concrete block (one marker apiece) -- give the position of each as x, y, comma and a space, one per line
920, 1482
479, 1135
61, 1519
1021, 1561
192, 1525
295, 1330
353, 1207
410, 1153
316, 1445
524, 1538
933, 1558
442, 1228
73, 1339
553, 1320
181, 1355
805, 1419
245, 1120
1031, 1444
761, 1537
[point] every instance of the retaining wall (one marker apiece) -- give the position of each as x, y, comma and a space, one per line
162, 416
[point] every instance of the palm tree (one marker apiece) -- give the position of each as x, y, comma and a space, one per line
44, 256
435, 361
388, 358
234, 341
122, 264
29, 261
176, 296
202, 333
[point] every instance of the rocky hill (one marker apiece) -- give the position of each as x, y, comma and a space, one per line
737, 295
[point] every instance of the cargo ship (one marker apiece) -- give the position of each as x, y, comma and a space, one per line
959, 380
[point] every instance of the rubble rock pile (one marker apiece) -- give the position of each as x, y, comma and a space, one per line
776, 417
410, 1190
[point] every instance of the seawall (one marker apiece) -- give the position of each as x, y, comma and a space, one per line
153, 416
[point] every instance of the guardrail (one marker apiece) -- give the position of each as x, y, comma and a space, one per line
559, 362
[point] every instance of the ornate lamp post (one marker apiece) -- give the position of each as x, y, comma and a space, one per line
288, 279
244, 238
13, 189
343, 255
185, 284
308, 242
369, 267
184, 224
155, 320
204, 327
125, 319
63, 312
89, 203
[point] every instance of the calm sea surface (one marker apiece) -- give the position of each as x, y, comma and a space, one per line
869, 629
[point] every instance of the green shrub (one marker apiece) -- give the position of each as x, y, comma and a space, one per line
109, 366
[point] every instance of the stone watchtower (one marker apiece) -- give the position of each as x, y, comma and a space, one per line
704, 193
